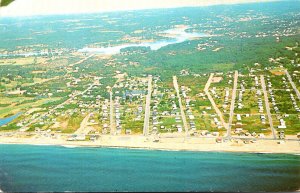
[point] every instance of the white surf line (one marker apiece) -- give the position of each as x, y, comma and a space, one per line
147, 107
213, 102
236, 74
183, 117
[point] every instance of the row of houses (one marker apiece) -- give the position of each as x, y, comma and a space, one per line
173, 112
225, 105
240, 96
188, 108
294, 102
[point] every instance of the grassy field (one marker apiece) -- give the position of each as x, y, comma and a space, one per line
22, 61
292, 124
250, 102
15, 108
252, 124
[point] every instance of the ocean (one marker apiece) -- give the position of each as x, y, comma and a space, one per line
55, 168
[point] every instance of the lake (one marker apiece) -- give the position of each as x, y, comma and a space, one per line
178, 35
6, 120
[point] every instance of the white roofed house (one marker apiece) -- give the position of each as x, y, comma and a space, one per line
238, 117
282, 124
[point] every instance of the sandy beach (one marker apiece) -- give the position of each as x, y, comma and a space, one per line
175, 144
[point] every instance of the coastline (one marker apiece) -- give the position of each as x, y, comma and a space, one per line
166, 144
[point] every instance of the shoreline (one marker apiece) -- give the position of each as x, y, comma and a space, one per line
173, 144
151, 149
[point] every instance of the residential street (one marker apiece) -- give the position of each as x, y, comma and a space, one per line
183, 117
232, 106
147, 107
263, 85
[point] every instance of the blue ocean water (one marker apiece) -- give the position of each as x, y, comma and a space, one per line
54, 168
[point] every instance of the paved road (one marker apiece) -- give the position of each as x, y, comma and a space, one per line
236, 75
80, 61
183, 117
111, 114
213, 102
263, 85
208, 82
293, 84
147, 108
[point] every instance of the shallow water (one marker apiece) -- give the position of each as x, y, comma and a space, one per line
6, 120
54, 168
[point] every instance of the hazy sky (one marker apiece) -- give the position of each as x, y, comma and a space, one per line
48, 7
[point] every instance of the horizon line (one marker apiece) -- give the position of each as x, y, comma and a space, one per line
6, 12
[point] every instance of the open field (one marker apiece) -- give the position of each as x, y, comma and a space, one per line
22, 105
22, 61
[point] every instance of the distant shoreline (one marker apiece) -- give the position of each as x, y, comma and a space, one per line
173, 144
61, 9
